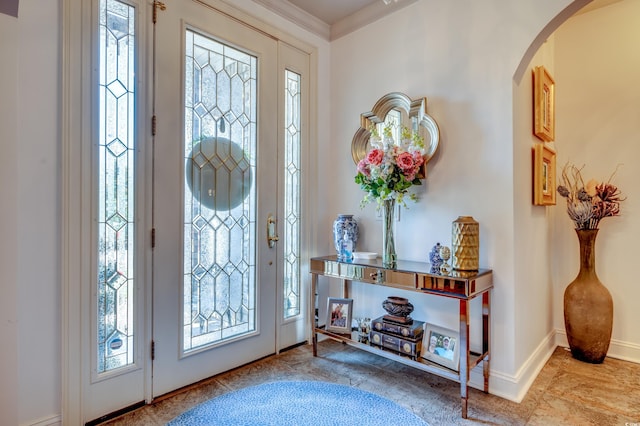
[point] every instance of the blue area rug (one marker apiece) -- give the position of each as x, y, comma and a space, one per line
298, 404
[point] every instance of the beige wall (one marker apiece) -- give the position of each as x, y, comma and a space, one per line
534, 299
463, 57
597, 64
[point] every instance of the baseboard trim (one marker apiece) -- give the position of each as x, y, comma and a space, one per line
515, 387
617, 349
48, 421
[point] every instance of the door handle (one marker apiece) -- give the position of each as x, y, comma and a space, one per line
272, 237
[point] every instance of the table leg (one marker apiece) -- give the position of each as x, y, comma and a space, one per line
464, 407
312, 313
464, 354
486, 318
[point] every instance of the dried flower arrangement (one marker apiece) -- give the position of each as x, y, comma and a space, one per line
588, 204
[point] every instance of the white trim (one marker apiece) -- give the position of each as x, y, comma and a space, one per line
301, 17
48, 421
349, 24
76, 194
71, 132
515, 387
617, 348
366, 16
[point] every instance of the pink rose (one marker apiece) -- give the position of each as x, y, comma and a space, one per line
405, 162
418, 159
375, 157
363, 167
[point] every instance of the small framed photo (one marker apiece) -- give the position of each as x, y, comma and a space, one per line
339, 315
544, 121
544, 175
441, 346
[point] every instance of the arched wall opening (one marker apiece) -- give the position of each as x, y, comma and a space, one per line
592, 57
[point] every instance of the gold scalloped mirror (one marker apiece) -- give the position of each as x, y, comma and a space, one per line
399, 108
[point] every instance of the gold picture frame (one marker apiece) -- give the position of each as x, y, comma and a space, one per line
544, 114
544, 175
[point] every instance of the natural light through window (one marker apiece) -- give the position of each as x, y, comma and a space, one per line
116, 186
292, 196
219, 287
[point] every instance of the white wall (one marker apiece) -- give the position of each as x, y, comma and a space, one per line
597, 64
533, 289
29, 163
8, 219
462, 56
39, 210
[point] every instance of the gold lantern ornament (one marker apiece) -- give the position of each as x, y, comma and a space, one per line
465, 243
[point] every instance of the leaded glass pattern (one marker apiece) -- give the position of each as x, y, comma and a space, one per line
219, 285
292, 195
116, 187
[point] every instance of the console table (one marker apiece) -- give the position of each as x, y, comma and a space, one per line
416, 277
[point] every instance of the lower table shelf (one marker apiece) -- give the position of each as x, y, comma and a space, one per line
417, 362
417, 278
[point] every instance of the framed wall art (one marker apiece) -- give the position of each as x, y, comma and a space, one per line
543, 104
339, 315
544, 175
441, 346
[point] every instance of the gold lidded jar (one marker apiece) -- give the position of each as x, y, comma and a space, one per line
465, 243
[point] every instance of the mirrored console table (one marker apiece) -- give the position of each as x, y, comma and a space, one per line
415, 277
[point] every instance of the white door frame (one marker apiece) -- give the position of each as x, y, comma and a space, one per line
76, 195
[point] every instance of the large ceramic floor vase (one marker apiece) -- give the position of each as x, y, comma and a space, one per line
588, 306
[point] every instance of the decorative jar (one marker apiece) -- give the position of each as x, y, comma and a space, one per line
344, 222
398, 309
434, 258
465, 242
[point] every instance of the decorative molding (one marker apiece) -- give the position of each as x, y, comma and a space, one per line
515, 387
301, 17
359, 19
366, 16
49, 421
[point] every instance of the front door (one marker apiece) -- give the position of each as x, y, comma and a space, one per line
215, 179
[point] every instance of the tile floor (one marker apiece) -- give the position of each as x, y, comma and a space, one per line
566, 392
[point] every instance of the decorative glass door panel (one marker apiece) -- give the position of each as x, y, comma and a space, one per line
116, 187
292, 131
220, 201
214, 274
111, 203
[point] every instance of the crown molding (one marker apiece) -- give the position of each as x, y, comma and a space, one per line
366, 16
356, 20
298, 16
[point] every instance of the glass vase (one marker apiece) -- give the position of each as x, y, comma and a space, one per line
389, 257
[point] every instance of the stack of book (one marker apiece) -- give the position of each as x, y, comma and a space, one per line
405, 339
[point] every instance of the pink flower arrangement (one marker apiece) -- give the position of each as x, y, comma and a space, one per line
389, 169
